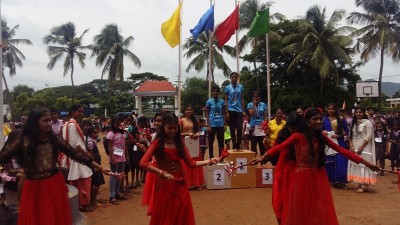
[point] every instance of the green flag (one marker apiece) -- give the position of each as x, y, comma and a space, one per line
260, 24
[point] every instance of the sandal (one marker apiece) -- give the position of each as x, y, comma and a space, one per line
121, 197
113, 201
85, 208
361, 190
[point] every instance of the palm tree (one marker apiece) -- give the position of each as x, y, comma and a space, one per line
380, 33
110, 48
320, 43
200, 49
65, 42
247, 12
12, 56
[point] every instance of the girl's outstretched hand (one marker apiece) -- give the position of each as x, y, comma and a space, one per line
255, 161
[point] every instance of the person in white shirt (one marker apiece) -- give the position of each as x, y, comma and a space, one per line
79, 175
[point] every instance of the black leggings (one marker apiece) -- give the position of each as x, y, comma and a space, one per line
236, 123
219, 131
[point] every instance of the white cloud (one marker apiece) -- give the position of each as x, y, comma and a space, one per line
138, 18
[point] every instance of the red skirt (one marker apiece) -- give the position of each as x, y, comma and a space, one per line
283, 167
45, 202
194, 176
172, 204
307, 198
148, 192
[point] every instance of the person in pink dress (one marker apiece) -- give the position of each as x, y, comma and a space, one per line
171, 201
307, 198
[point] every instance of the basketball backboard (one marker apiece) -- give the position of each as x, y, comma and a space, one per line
367, 89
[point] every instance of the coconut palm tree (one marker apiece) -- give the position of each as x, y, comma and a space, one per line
110, 48
247, 12
12, 56
200, 49
61, 41
379, 34
320, 43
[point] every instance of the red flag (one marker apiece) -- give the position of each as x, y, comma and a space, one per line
227, 28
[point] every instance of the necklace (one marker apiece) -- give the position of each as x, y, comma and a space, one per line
169, 142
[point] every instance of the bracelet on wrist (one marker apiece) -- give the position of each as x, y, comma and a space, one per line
210, 162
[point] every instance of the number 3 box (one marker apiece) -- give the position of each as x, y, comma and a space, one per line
265, 176
215, 177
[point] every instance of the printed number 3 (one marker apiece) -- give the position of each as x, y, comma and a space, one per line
266, 177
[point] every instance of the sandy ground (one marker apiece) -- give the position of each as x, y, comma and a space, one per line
253, 206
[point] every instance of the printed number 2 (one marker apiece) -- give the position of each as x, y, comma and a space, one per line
218, 177
266, 177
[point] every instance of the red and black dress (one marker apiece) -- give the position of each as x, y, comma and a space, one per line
44, 198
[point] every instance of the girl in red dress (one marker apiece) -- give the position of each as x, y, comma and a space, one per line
307, 195
44, 198
172, 204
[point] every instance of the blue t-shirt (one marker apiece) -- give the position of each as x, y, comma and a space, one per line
234, 97
216, 118
258, 114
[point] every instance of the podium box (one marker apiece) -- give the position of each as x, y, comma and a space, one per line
265, 176
244, 177
215, 177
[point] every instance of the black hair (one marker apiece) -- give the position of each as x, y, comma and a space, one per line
75, 107
216, 87
294, 121
256, 93
336, 115
193, 119
113, 128
168, 118
354, 121
233, 73
31, 132
157, 114
142, 119
308, 114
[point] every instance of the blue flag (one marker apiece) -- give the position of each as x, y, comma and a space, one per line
206, 23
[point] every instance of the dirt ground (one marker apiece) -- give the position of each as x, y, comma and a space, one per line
253, 206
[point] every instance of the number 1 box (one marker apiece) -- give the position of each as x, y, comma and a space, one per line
215, 177
265, 176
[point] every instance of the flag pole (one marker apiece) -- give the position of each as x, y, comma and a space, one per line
210, 41
268, 75
1, 84
180, 61
237, 44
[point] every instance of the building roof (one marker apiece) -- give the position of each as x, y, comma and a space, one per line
156, 88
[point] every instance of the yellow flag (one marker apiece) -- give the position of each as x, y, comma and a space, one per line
170, 29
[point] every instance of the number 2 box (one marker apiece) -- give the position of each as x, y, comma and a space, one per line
265, 176
215, 177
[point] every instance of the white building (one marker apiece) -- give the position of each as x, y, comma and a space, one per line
393, 102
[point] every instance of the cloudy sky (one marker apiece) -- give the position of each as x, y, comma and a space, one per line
141, 19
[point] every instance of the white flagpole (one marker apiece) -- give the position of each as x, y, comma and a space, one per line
180, 61
237, 47
210, 41
1, 85
268, 75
